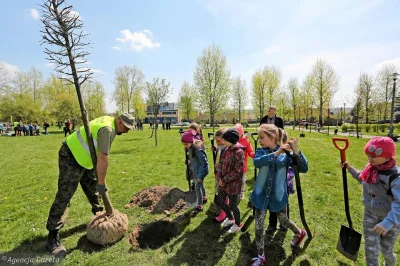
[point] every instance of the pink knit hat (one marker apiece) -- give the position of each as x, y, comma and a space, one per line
239, 128
380, 147
188, 136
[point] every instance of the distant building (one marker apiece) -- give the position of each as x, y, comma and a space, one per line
168, 112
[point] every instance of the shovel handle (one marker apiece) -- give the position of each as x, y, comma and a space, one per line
255, 148
252, 136
341, 149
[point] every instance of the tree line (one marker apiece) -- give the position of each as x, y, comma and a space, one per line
29, 96
214, 90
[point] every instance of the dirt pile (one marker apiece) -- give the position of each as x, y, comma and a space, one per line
159, 199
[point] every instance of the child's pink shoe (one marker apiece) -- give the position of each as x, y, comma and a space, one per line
220, 217
296, 240
258, 261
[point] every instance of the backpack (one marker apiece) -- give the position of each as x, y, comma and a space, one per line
290, 176
391, 178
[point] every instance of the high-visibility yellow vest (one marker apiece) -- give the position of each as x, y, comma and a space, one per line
78, 143
15, 124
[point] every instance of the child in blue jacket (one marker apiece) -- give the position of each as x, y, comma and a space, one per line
381, 198
198, 164
270, 190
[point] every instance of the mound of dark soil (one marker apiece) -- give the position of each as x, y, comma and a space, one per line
159, 199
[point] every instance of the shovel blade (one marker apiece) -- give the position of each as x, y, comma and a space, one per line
190, 198
349, 242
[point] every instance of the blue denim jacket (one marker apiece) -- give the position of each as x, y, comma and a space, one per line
198, 162
270, 188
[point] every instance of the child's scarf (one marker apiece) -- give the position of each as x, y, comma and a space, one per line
370, 173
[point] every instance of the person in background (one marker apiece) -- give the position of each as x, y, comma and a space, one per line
67, 128
248, 151
219, 149
30, 129
45, 127
271, 118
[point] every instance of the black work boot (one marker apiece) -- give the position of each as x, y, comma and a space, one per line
54, 245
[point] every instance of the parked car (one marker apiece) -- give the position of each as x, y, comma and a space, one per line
182, 124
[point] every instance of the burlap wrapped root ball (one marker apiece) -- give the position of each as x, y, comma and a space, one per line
106, 230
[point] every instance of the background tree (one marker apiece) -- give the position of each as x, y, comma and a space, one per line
63, 32
59, 100
187, 101
139, 105
306, 96
129, 84
157, 93
258, 93
5, 78
272, 78
365, 91
283, 104
94, 98
384, 86
239, 96
212, 80
293, 88
20, 83
35, 81
325, 83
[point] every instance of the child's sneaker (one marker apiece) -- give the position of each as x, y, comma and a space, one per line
258, 261
235, 228
198, 209
205, 200
270, 230
220, 217
296, 240
227, 222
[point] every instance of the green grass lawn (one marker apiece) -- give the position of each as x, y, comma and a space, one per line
29, 167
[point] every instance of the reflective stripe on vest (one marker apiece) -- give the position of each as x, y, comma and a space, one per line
83, 143
78, 144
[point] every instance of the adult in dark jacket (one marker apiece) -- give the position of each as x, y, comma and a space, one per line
271, 118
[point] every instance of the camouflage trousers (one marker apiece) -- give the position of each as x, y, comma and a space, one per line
70, 176
375, 243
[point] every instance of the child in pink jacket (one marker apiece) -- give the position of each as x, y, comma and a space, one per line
248, 151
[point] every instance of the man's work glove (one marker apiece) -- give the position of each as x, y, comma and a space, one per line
102, 189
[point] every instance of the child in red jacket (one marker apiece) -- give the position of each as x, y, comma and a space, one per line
248, 151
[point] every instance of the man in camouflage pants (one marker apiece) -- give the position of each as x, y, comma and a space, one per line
75, 167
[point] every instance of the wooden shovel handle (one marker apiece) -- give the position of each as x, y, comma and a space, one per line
341, 149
